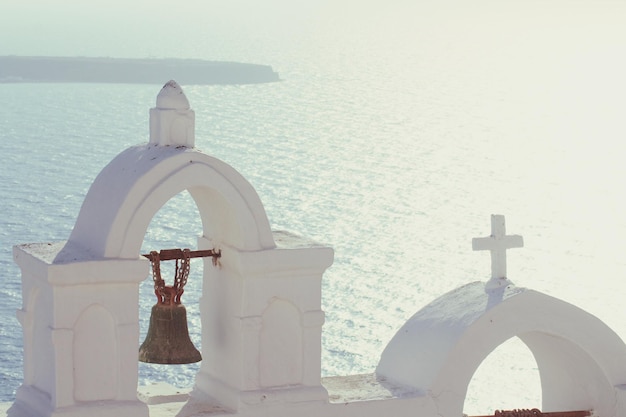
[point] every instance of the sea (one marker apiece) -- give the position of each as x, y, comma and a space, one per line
396, 130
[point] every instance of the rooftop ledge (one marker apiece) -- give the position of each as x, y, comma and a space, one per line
166, 400
364, 387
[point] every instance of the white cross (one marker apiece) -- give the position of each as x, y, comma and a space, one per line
497, 244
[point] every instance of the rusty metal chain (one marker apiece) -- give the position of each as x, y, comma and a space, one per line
156, 272
181, 275
182, 270
171, 295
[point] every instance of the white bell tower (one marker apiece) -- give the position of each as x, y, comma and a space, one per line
260, 307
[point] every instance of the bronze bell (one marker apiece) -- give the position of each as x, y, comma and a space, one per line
167, 341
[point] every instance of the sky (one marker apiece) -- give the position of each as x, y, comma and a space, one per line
157, 27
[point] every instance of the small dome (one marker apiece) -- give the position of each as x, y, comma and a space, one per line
171, 96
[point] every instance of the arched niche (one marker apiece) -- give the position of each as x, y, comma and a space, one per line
95, 337
281, 348
581, 361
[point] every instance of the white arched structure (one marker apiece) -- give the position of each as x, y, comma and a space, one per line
80, 303
582, 362
130, 190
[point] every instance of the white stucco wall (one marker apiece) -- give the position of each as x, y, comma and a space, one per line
582, 362
128, 192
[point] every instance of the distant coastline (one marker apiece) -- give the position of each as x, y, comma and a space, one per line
24, 69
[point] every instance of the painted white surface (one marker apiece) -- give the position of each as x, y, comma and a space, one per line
172, 122
128, 192
582, 362
497, 244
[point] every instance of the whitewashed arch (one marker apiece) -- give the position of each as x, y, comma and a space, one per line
130, 190
581, 361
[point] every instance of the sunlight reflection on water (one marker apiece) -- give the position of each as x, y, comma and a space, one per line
394, 153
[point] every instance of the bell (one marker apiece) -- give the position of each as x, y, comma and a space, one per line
167, 341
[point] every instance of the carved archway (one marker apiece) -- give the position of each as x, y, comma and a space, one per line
130, 190
511, 372
581, 361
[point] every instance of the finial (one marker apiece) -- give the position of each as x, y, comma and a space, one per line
497, 244
172, 122
172, 97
